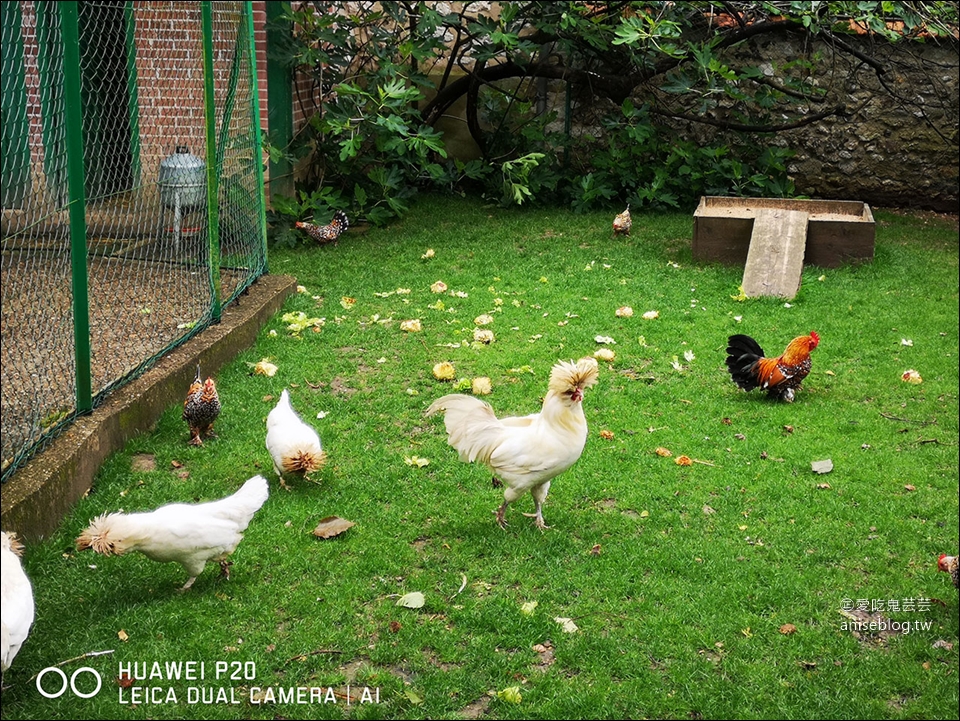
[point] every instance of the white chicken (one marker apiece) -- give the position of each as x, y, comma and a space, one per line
189, 534
293, 445
16, 611
526, 452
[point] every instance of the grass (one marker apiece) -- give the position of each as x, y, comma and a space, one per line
680, 579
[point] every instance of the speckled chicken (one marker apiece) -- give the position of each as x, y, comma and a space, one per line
201, 408
622, 223
327, 233
948, 564
781, 376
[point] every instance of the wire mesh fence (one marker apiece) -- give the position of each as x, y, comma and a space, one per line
132, 196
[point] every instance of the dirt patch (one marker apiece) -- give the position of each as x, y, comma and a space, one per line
143, 463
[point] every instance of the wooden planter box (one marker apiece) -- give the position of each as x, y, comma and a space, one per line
838, 231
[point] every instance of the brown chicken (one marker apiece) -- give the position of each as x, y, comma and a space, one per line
201, 408
781, 376
622, 223
948, 564
326, 233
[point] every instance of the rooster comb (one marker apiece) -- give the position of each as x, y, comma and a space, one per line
816, 338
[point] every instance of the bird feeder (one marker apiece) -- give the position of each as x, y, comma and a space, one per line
183, 186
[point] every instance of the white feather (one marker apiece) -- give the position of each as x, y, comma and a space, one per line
17, 609
291, 442
188, 534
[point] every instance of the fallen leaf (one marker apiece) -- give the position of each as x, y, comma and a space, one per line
663, 452
429, 254
822, 467
124, 681
807, 665
444, 371
411, 326
624, 312
412, 697
483, 319
481, 386
940, 643
567, 624
416, 461
483, 335
347, 302
605, 339
746, 632
439, 287
511, 695
395, 626
787, 629
823, 486
644, 514
332, 526
606, 435
605, 354
265, 368
595, 551
684, 461
911, 376
707, 510
910, 487
414, 599
176, 464
527, 608
122, 635
651, 314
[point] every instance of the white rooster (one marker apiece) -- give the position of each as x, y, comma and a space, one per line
16, 611
525, 452
293, 445
189, 534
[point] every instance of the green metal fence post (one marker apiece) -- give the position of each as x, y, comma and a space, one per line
73, 110
213, 164
257, 136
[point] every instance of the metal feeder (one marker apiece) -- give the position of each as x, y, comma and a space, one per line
183, 186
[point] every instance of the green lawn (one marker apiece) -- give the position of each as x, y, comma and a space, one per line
712, 590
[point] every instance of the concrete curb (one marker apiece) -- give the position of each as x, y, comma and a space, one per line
39, 495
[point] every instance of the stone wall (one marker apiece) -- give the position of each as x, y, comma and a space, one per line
899, 144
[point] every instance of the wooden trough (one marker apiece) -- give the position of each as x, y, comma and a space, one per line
772, 238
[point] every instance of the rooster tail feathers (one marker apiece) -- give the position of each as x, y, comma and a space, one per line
743, 354
255, 490
472, 427
340, 218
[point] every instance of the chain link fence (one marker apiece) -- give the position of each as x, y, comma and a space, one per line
132, 196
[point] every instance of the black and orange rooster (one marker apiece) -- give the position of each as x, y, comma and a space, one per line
201, 408
781, 376
327, 233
